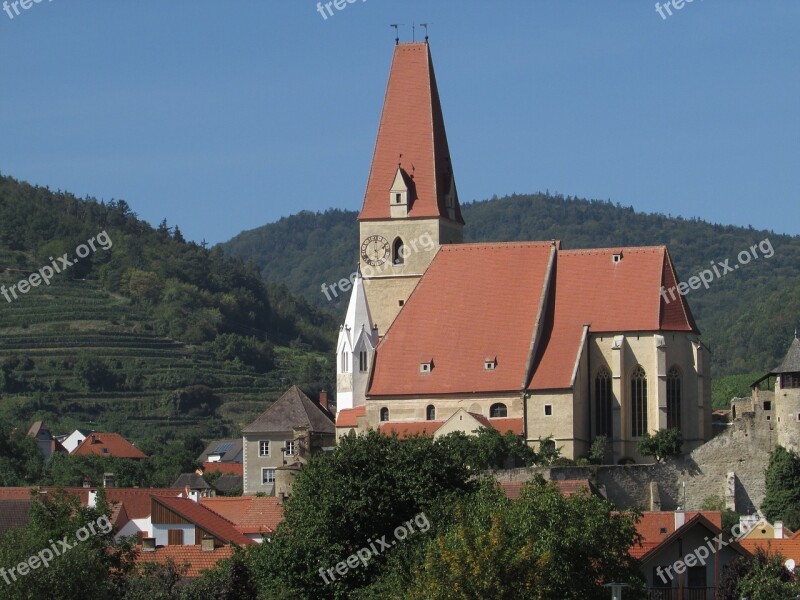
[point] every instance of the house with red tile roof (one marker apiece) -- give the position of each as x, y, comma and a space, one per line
190, 560
108, 444
570, 344
683, 555
256, 517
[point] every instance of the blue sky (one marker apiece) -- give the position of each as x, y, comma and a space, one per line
223, 116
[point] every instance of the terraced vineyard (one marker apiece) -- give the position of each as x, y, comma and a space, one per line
48, 329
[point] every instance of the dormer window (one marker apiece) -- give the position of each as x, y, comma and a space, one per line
490, 364
398, 198
426, 367
617, 257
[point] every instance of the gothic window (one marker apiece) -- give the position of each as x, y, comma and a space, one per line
602, 403
498, 410
344, 362
398, 252
638, 402
362, 361
384, 414
673, 398
430, 412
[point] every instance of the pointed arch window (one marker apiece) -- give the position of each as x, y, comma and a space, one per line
362, 361
430, 412
399, 252
384, 414
602, 403
673, 398
345, 361
638, 402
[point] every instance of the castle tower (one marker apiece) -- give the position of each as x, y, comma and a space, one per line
411, 205
355, 349
787, 398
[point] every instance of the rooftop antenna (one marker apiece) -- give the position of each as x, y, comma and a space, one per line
413, 31
425, 25
400, 160
396, 32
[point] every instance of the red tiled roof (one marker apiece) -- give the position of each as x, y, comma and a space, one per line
475, 301
348, 417
507, 424
655, 527
412, 126
407, 429
206, 519
224, 468
108, 444
613, 297
788, 548
137, 501
569, 487
249, 514
193, 557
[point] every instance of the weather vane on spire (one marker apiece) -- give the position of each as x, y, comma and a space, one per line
396, 32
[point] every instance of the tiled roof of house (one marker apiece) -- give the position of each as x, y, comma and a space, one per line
14, 513
249, 514
348, 417
108, 444
412, 134
476, 302
407, 429
788, 548
192, 557
658, 526
229, 482
192, 480
224, 468
568, 487
504, 425
137, 501
230, 450
293, 409
204, 518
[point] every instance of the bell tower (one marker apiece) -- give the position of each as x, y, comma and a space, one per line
411, 204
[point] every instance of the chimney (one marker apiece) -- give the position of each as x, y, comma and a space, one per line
778, 530
108, 480
323, 400
207, 544
87, 483
680, 518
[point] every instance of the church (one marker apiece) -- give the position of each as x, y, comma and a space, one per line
526, 337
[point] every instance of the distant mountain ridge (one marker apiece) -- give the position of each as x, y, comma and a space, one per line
747, 316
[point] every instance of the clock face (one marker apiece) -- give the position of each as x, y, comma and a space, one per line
375, 250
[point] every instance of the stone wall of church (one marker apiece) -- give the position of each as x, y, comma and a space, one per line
743, 450
414, 409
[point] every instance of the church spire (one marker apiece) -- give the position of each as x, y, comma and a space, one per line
412, 128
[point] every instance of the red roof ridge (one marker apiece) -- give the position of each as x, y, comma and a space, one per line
623, 249
498, 245
533, 354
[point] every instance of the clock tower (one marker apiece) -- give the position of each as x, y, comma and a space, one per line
411, 204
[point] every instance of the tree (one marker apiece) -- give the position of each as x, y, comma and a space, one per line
768, 579
599, 451
782, 497
369, 486
21, 461
92, 567
665, 443
541, 546
94, 373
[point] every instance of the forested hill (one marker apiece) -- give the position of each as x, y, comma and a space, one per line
146, 333
747, 317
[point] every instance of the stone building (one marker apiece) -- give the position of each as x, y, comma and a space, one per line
576, 343
285, 435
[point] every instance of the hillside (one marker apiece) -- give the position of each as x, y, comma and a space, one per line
747, 317
148, 335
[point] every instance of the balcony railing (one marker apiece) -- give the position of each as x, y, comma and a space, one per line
687, 593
